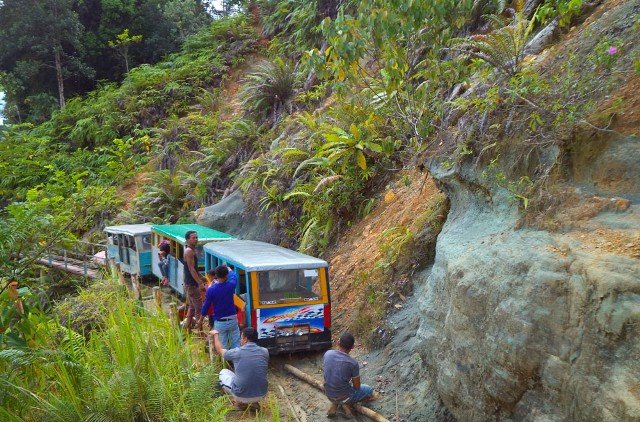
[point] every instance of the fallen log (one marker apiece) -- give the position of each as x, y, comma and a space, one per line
305, 377
212, 348
314, 382
286, 399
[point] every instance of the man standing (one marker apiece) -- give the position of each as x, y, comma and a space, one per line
342, 378
220, 295
193, 281
249, 382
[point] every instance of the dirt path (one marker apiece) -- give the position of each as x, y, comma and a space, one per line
307, 402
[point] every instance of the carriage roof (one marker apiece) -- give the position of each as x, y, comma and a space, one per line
177, 232
261, 256
129, 229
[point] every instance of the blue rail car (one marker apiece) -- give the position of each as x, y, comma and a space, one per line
130, 246
286, 293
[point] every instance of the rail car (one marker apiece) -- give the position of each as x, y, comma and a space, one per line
130, 246
286, 293
174, 234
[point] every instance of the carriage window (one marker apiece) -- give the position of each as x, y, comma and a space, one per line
242, 281
131, 242
146, 242
289, 286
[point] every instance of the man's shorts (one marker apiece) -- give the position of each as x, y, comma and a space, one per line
226, 380
194, 299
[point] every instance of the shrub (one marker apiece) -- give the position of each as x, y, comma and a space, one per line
502, 48
138, 367
270, 89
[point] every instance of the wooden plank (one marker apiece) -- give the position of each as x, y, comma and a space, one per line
157, 295
68, 267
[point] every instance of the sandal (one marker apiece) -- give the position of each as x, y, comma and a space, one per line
333, 411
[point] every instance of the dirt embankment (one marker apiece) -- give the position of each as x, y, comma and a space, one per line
364, 278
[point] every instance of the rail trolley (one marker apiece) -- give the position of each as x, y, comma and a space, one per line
286, 293
174, 234
130, 246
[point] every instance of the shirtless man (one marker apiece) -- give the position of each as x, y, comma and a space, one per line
193, 281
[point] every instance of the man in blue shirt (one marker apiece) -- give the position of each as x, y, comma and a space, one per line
220, 295
249, 382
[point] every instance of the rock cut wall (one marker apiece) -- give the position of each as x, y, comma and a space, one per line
525, 323
522, 323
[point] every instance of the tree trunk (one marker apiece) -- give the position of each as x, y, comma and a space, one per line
126, 59
312, 78
59, 77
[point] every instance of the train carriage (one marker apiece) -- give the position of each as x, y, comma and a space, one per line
286, 293
130, 246
174, 234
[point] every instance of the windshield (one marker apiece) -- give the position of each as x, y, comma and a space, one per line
289, 286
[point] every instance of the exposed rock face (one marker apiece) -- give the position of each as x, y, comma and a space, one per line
609, 168
520, 323
526, 324
230, 216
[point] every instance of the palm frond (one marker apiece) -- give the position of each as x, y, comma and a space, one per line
502, 48
270, 88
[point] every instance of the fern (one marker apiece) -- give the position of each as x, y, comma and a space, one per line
17, 357
270, 89
502, 48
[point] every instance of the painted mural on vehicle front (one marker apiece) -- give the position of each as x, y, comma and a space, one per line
294, 320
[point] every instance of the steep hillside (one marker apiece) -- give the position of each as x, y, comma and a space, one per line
536, 318
473, 180
530, 310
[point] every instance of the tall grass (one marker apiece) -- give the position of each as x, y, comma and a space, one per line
138, 367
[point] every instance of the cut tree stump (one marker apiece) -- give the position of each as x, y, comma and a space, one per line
157, 295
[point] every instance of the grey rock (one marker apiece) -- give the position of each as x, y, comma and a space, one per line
230, 216
530, 7
507, 321
607, 166
544, 38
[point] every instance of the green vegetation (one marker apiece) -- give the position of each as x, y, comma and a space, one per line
385, 79
136, 366
313, 188
334, 99
503, 47
270, 89
53, 49
73, 167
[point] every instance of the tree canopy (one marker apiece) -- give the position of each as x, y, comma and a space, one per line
54, 49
